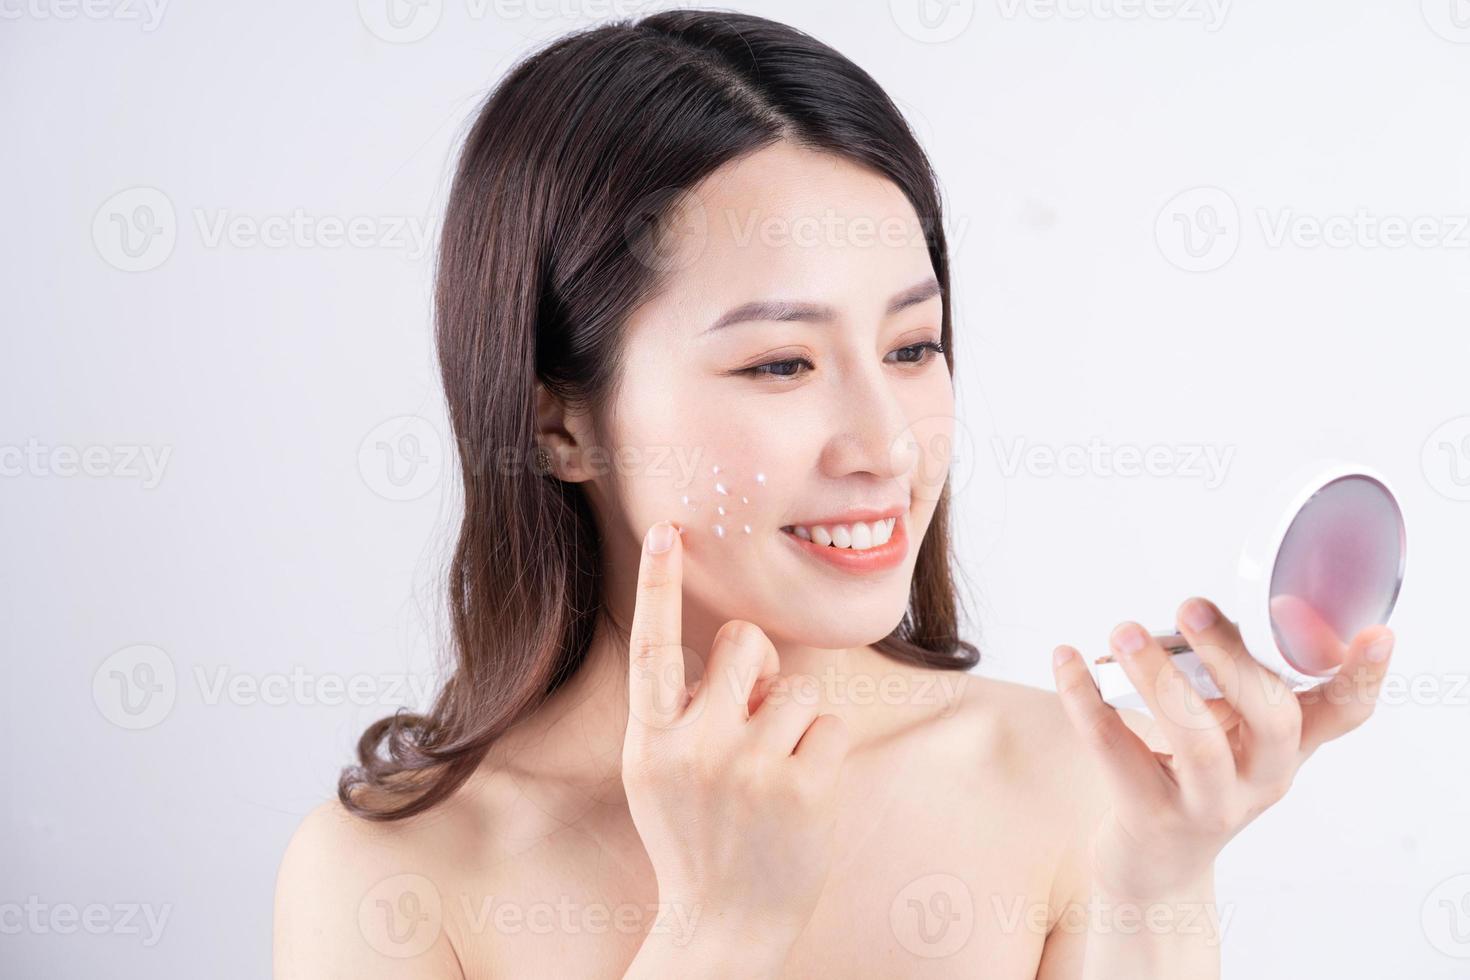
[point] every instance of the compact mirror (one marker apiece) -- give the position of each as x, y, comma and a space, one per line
1326, 561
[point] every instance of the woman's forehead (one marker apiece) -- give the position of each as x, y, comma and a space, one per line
791, 224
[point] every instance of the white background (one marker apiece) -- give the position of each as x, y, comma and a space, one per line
269, 554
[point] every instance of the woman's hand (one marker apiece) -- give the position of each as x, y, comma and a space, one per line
732, 786
1231, 758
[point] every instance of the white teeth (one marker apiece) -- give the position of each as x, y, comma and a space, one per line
882, 531
858, 536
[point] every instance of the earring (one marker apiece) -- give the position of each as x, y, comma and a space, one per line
543, 461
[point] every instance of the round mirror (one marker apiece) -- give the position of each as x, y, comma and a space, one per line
1338, 569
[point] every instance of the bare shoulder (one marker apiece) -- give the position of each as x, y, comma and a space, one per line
1026, 731
361, 898
1055, 778
1021, 727
1034, 765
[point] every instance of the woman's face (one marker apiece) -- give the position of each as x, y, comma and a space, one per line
801, 446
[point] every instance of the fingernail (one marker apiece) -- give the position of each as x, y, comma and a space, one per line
1380, 648
660, 538
1128, 639
1060, 656
1198, 615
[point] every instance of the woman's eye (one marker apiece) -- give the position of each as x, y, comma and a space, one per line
788, 368
917, 353
791, 367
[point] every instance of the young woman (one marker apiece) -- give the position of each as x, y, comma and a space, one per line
711, 714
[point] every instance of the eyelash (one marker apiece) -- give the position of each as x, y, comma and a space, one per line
925, 348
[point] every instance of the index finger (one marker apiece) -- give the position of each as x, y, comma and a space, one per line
656, 692
1203, 756
1127, 761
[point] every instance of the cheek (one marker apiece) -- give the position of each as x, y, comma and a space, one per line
930, 440
714, 470
934, 436
731, 492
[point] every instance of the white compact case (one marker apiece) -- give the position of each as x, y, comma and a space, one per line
1326, 560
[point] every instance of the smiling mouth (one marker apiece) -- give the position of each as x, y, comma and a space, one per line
855, 536
852, 546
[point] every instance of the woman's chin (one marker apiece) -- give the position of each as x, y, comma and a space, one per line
838, 628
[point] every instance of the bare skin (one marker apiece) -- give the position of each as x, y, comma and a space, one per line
970, 797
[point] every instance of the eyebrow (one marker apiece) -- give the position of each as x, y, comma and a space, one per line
785, 310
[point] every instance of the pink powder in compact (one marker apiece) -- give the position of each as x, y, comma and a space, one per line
1337, 571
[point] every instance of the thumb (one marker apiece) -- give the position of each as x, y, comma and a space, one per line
760, 688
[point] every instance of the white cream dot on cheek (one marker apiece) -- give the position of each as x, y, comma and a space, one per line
726, 508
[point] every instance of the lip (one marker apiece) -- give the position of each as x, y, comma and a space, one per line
880, 559
865, 514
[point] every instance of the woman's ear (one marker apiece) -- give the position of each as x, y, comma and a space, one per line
566, 433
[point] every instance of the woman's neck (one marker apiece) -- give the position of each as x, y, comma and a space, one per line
576, 736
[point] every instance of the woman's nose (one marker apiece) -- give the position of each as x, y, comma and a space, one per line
870, 434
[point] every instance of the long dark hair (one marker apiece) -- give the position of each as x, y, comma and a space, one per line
584, 140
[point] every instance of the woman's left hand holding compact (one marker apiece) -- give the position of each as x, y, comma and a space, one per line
1170, 814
